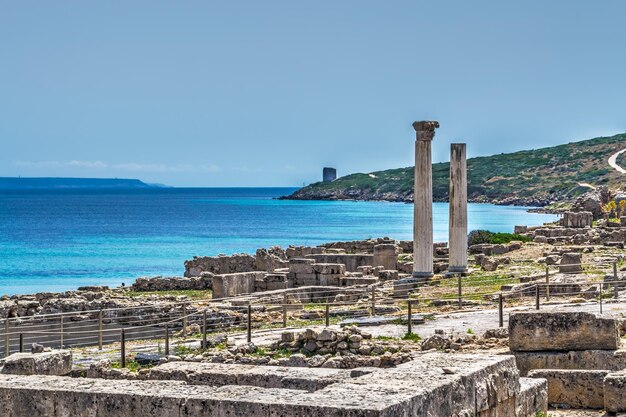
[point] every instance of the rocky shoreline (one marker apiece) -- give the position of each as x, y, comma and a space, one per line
394, 197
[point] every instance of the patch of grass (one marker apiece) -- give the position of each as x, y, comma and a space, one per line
414, 337
470, 331
182, 350
281, 353
260, 352
132, 366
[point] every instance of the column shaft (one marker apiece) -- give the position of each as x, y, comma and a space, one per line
423, 200
458, 209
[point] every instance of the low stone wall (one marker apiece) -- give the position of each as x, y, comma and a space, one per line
489, 249
302, 251
578, 236
358, 246
221, 264
351, 261
203, 282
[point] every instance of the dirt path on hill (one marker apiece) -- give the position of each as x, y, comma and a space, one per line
613, 161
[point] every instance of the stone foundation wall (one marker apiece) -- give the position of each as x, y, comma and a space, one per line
578, 236
351, 261
221, 264
306, 272
437, 385
203, 282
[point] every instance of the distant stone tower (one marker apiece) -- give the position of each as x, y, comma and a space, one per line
329, 174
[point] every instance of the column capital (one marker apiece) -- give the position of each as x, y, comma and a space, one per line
425, 130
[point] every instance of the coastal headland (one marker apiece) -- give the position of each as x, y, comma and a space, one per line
553, 176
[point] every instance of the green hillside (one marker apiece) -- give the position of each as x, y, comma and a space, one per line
535, 177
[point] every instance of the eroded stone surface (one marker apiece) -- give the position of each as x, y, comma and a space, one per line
573, 388
533, 397
613, 360
470, 385
215, 374
562, 331
614, 388
58, 362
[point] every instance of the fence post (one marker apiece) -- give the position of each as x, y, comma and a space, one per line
537, 296
184, 320
501, 310
547, 283
409, 326
7, 338
249, 323
285, 309
100, 326
204, 330
123, 349
373, 312
460, 291
327, 315
21, 342
601, 285
167, 340
61, 332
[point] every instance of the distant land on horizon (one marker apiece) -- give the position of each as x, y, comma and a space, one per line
551, 176
52, 183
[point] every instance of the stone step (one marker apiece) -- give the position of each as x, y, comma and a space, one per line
574, 388
614, 360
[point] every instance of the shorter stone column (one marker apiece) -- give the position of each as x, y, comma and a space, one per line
458, 209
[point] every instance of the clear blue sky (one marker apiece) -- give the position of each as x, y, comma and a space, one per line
236, 93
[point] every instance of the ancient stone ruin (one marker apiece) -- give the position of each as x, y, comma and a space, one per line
580, 355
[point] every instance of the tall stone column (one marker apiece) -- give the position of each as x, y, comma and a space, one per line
458, 209
423, 200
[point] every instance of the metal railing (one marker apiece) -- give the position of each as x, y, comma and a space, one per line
176, 323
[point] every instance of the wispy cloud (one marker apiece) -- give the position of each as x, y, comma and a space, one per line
126, 166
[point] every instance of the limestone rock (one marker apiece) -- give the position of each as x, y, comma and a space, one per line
573, 388
570, 263
58, 362
489, 264
562, 331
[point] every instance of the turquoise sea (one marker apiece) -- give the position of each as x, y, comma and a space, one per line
59, 240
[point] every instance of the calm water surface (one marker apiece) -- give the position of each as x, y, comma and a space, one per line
59, 240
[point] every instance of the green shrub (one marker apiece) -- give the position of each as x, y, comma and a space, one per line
477, 237
412, 337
